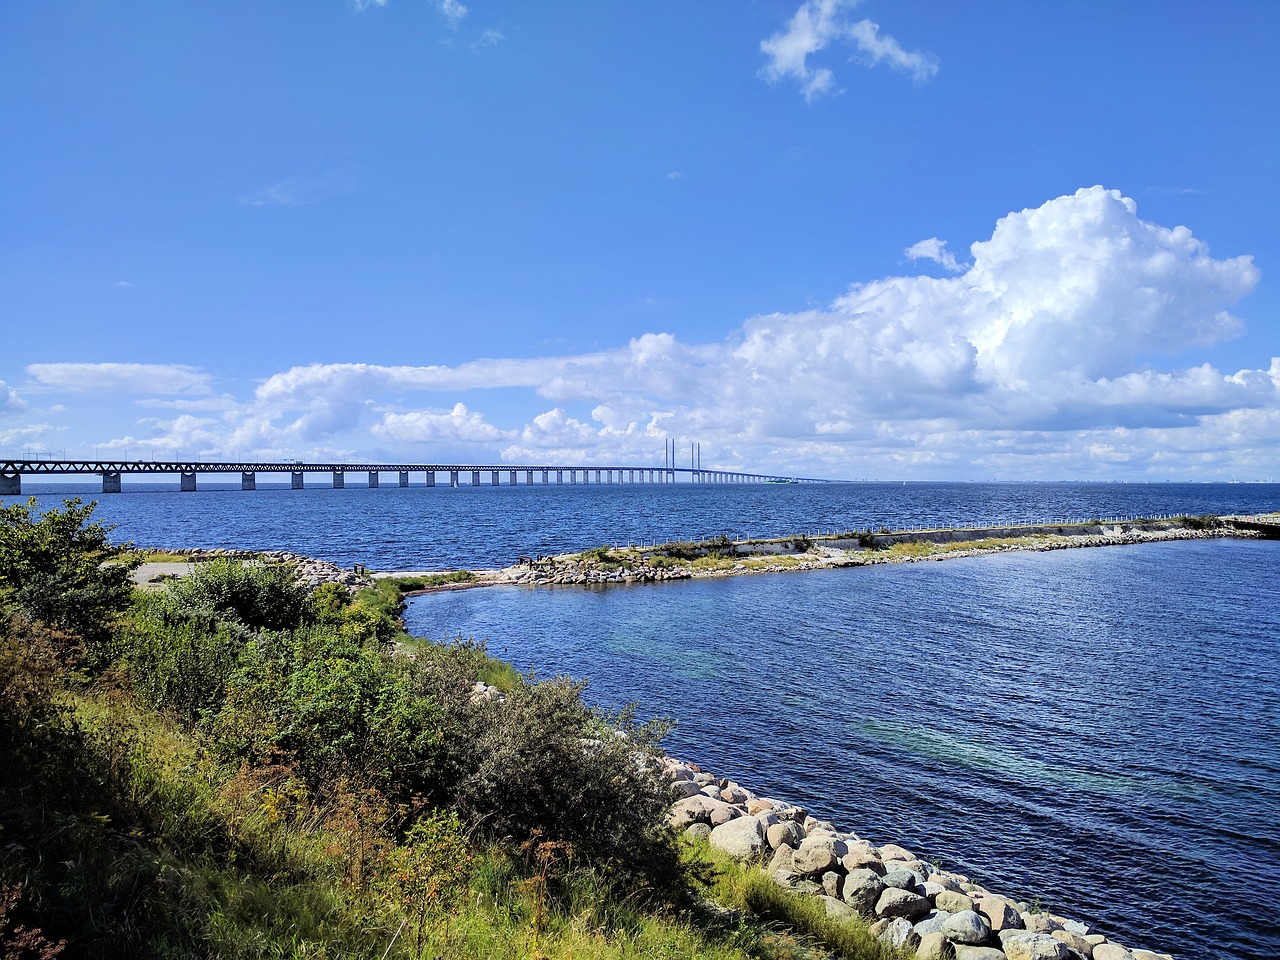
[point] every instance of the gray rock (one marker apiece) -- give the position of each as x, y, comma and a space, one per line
1079, 946
742, 839
954, 902
931, 924
862, 888
895, 902
698, 831
684, 788
891, 851
831, 883
902, 879
968, 927
898, 932
964, 952
1021, 945
837, 908
784, 833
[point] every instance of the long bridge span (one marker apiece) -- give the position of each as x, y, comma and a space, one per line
186, 471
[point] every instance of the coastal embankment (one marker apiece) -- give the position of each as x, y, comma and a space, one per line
911, 903
720, 557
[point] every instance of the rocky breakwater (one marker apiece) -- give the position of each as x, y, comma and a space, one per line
908, 902
580, 569
311, 573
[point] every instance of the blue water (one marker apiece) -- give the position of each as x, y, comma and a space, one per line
1099, 729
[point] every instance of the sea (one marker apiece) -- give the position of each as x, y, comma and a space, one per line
1094, 731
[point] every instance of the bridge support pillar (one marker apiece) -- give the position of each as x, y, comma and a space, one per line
404, 478
431, 478
248, 480
512, 478
187, 482
339, 479
559, 476
544, 478
528, 478
373, 478
475, 478
295, 479
573, 476
494, 477
111, 481
453, 478
10, 484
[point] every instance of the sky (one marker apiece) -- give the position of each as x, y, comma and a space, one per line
918, 240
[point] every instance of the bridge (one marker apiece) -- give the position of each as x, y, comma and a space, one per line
111, 471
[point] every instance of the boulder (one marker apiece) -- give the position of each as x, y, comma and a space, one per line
1021, 945
832, 883
684, 788
837, 908
891, 851
964, 952
966, 926
698, 831
947, 881
784, 833
954, 902
858, 858
818, 854
700, 809
1040, 922
902, 879
931, 924
1111, 951
862, 889
783, 862
933, 946
742, 839
897, 932
1078, 945
895, 902
999, 913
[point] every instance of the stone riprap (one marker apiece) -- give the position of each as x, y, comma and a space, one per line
311, 573
576, 570
908, 902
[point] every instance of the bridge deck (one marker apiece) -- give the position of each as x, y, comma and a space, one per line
12, 471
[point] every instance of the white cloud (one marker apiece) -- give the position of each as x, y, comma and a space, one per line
818, 24
9, 399
489, 37
452, 11
122, 284
458, 425
363, 5
874, 48
935, 250
117, 378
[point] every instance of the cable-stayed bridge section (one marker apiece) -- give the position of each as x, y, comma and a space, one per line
456, 474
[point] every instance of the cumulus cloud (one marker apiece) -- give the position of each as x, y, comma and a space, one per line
452, 11
116, 378
818, 24
458, 425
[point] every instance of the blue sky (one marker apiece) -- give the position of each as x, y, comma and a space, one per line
917, 240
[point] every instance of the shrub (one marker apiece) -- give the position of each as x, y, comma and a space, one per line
262, 597
60, 569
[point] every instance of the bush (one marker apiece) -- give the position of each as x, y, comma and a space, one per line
544, 764
262, 597
60, 569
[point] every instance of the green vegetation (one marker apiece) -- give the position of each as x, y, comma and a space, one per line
1205, 521
235, 767
426, 581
